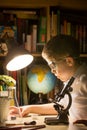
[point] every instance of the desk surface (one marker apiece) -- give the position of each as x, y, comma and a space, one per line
40, 121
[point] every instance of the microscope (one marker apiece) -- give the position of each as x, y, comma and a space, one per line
62, 116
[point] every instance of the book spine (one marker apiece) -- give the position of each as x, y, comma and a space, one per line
28, 42
19, 30
53, 24
81, 38
68, 28
58, 22
34, 37
42, 30
84, 39
65, 27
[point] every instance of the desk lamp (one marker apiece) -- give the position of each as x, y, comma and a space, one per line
16, 59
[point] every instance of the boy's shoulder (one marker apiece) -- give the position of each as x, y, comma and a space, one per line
82, 70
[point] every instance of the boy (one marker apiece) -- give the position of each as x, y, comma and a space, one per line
63, 57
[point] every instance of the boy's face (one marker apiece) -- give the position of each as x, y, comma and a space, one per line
63, 69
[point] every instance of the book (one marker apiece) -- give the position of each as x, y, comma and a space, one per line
68, 28
19, 30
58, 22
65, 27
42, 29
84, 39
80, 31
28, 43
34, 37
54, 24
76, 31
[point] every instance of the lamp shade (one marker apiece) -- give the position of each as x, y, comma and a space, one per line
18, 58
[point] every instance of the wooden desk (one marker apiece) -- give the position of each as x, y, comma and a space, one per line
40, 121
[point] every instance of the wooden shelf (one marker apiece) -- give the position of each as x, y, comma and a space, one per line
72, 4
36, 54
39, 54
83, 55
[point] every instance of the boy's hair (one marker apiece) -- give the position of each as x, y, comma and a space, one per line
60, 46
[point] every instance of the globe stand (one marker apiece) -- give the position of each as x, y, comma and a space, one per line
40, 100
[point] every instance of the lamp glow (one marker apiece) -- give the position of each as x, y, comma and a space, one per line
19, 62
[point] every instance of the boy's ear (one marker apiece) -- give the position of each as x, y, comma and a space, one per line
69, 61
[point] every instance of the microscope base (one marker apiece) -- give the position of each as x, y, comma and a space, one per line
56, 121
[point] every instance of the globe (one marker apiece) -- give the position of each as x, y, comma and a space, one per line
40, 79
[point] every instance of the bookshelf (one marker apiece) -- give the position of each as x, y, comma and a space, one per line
30, 24
58, 15
29, 13
70, 22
